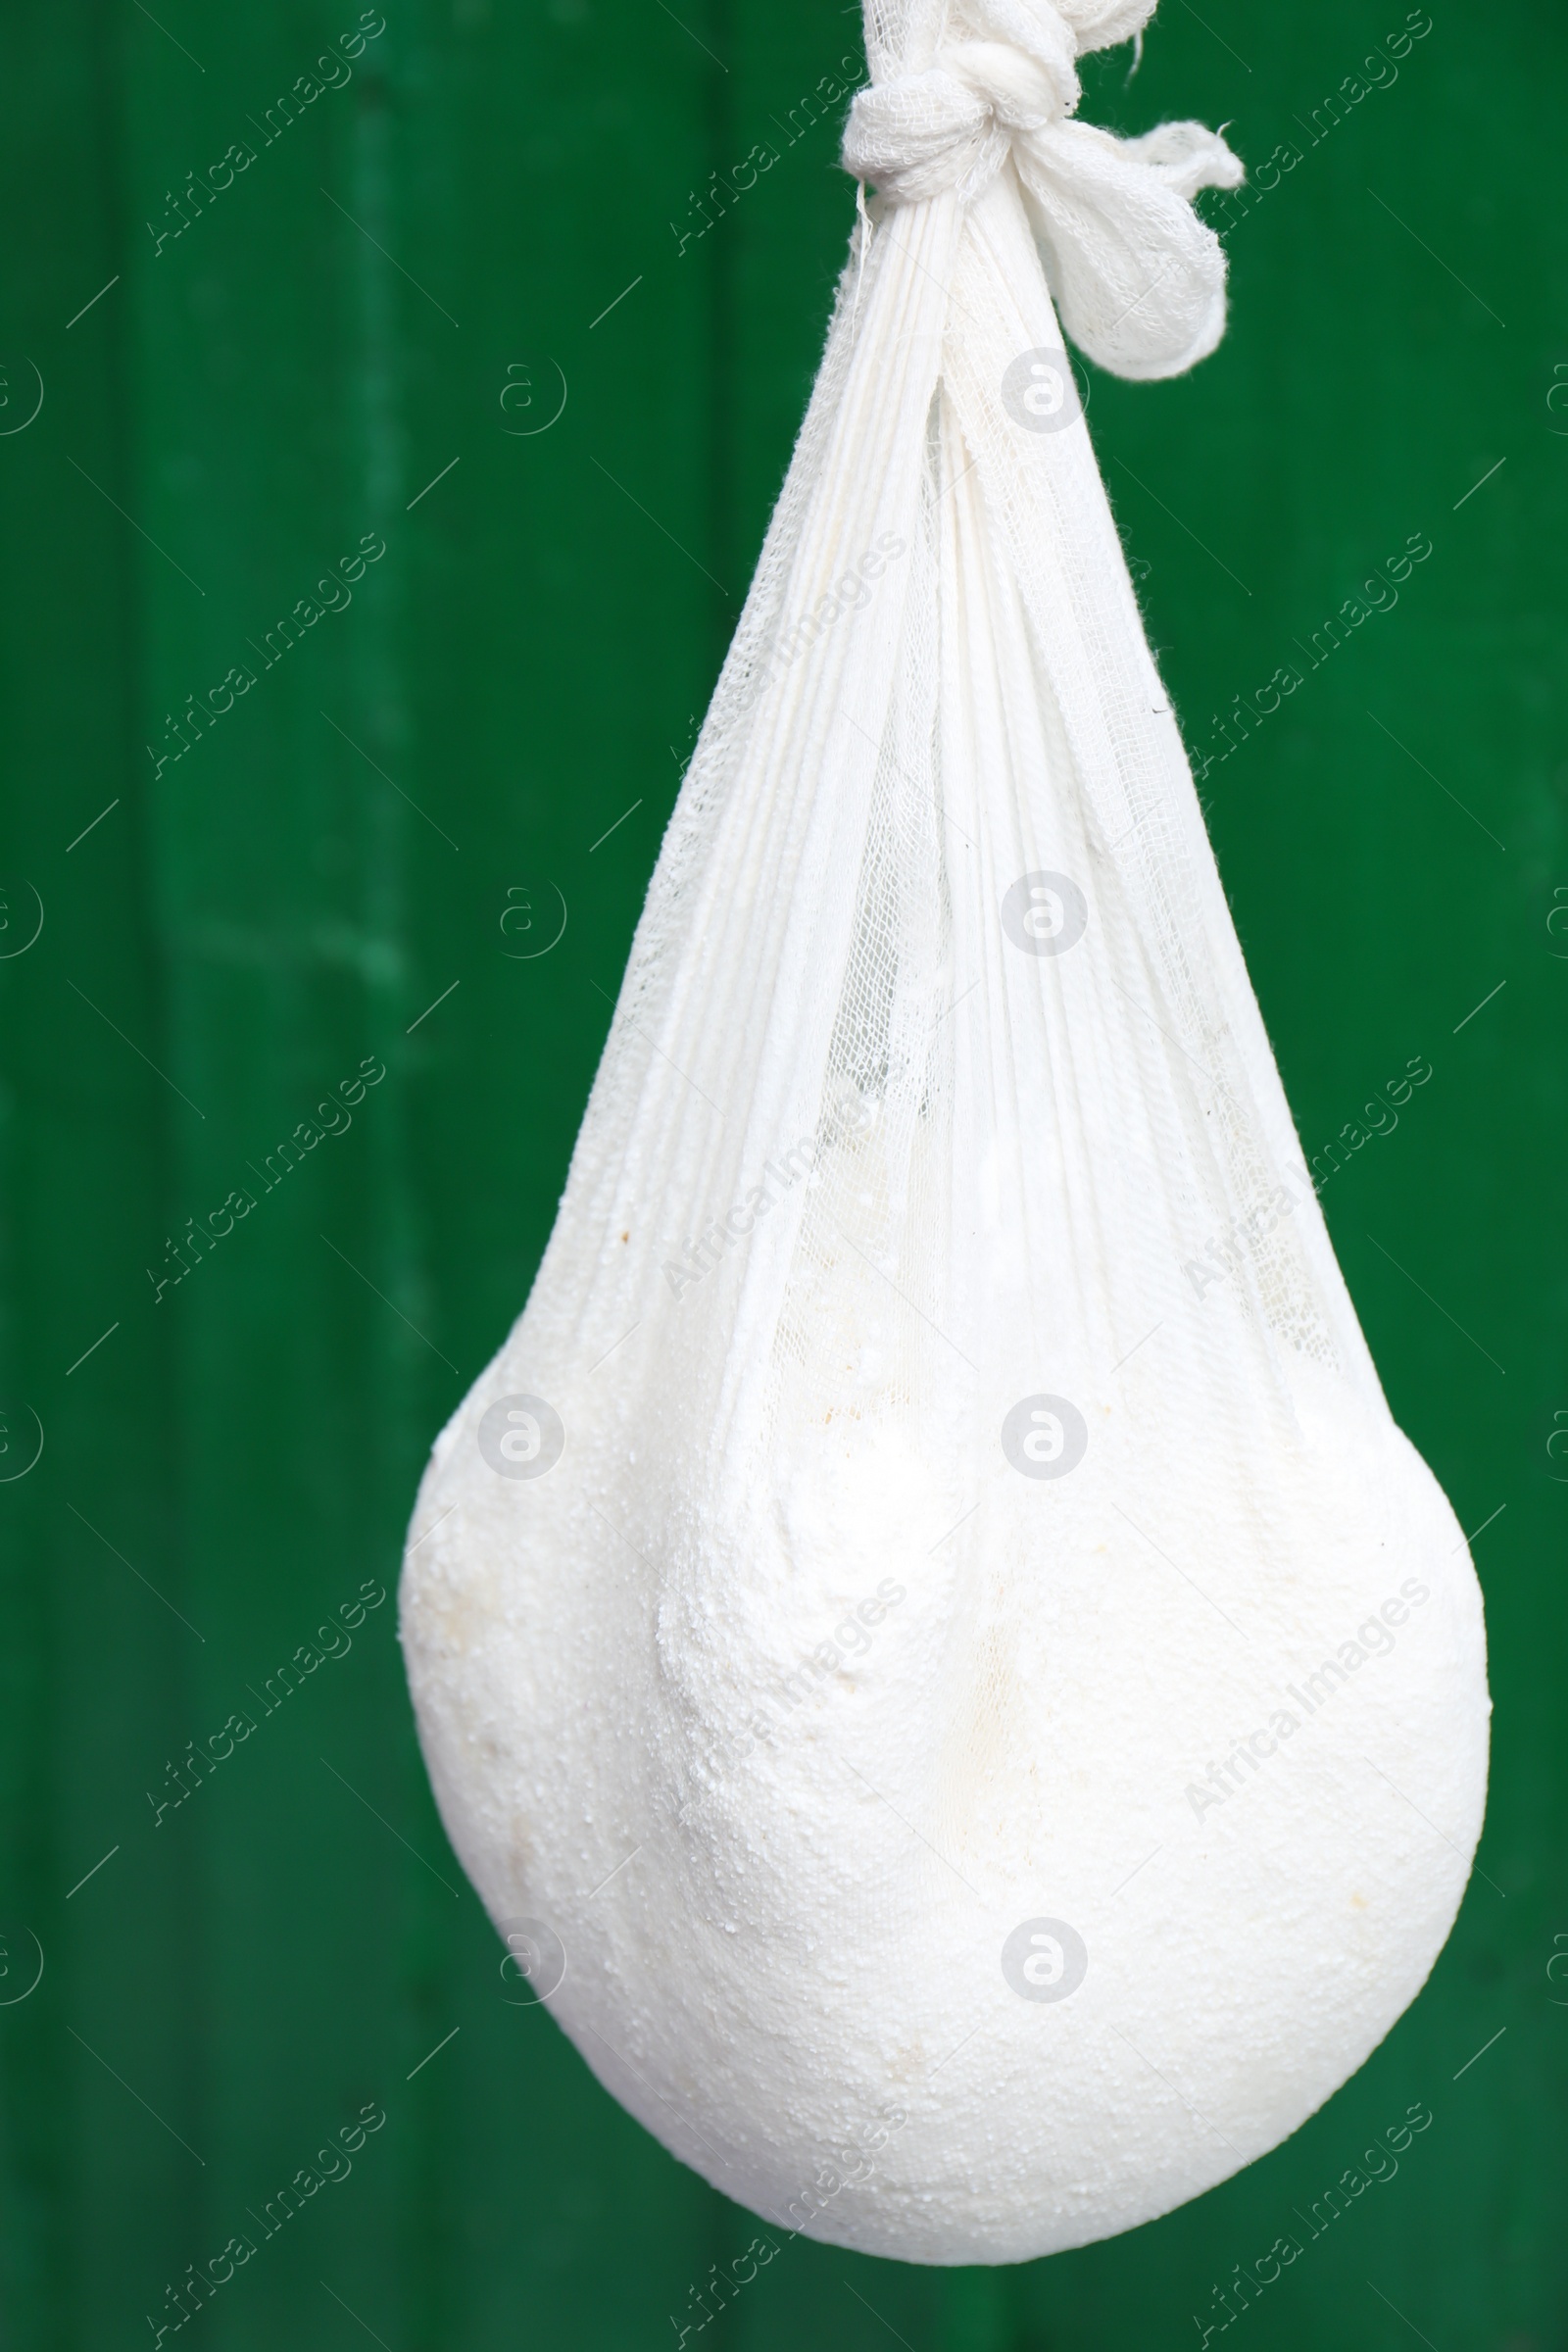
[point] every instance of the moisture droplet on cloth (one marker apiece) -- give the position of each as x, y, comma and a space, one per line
1030, 1696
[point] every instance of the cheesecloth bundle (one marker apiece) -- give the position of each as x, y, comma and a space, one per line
974, 1730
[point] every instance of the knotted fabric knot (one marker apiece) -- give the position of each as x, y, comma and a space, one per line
1139, 280
951, 126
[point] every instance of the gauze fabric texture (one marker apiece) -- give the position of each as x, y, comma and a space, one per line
974, 1731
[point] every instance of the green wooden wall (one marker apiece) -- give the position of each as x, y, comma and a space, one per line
359, 343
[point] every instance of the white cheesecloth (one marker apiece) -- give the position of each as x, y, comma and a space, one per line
853, 1623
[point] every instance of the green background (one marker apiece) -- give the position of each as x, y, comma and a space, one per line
528, 662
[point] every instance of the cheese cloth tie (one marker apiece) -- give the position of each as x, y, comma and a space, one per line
1139, 280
